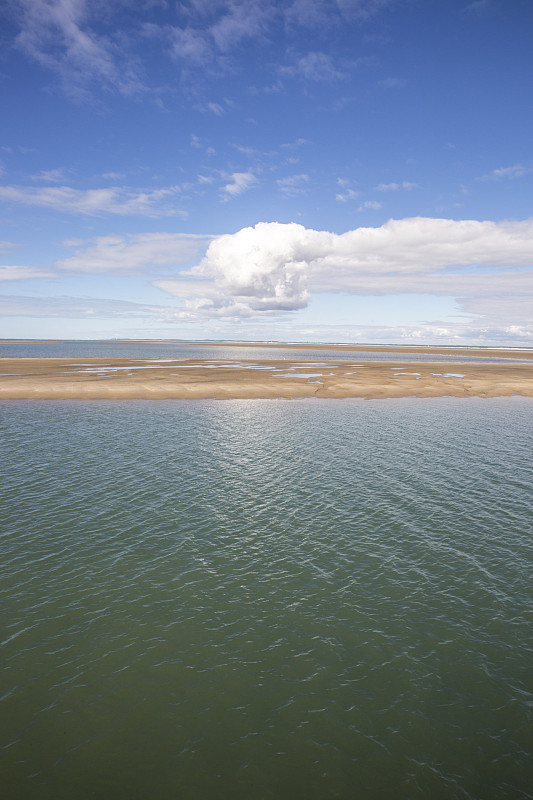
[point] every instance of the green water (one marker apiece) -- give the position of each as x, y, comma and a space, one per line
266, 599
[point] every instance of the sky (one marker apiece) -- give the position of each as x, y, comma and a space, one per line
307, 170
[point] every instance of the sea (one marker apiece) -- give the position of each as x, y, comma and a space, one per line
158, 349
265, 599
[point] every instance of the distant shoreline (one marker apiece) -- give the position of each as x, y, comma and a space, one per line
502, 352
190, 378
365, 346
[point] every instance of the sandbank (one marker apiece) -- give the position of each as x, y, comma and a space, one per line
128, 379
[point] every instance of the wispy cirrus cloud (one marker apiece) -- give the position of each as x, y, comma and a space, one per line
77, 308
314, 66
208, 32
94, 202
320, 13
467, 333
293, 185
80, 42
21, 273
242, 20
363, 9
134, 253
120, 255
211, 108
395, 187
50, 175
60, 36
348, 193
514, 171
344, 197
370, 205
240, 182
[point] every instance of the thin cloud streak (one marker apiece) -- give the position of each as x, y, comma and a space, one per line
57, 35
77, 308
133, 254
508, 173
87, 52
18, 273
94, 202
240, 182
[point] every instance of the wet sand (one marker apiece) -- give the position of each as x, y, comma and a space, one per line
122, 379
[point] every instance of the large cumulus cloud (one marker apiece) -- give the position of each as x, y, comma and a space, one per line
275, 267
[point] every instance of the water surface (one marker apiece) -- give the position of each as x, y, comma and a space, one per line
168, 349
266, 599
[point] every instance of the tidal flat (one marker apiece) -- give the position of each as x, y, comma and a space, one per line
231, 372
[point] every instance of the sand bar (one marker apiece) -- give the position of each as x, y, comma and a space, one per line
123, 379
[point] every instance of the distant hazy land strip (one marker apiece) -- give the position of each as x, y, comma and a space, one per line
169, 378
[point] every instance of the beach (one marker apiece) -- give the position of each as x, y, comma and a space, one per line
509, 373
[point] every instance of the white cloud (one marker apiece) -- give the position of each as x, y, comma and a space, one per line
387, 187
246, 151
215, 108
15, 273
240, 182
451, 283
185, 44
293, 184
395, 187
361, 8
88, 46
50, 176
134, 253
245, 20
315, 66
372, 205
211, 108
516, 171
309, 13
274, 267
343, 197
213, 29
57, 34
109, 200
76, 308
296, 144
448, 333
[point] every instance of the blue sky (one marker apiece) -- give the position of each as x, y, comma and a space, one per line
337, 170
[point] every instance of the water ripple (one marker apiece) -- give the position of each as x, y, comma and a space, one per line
267, 599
